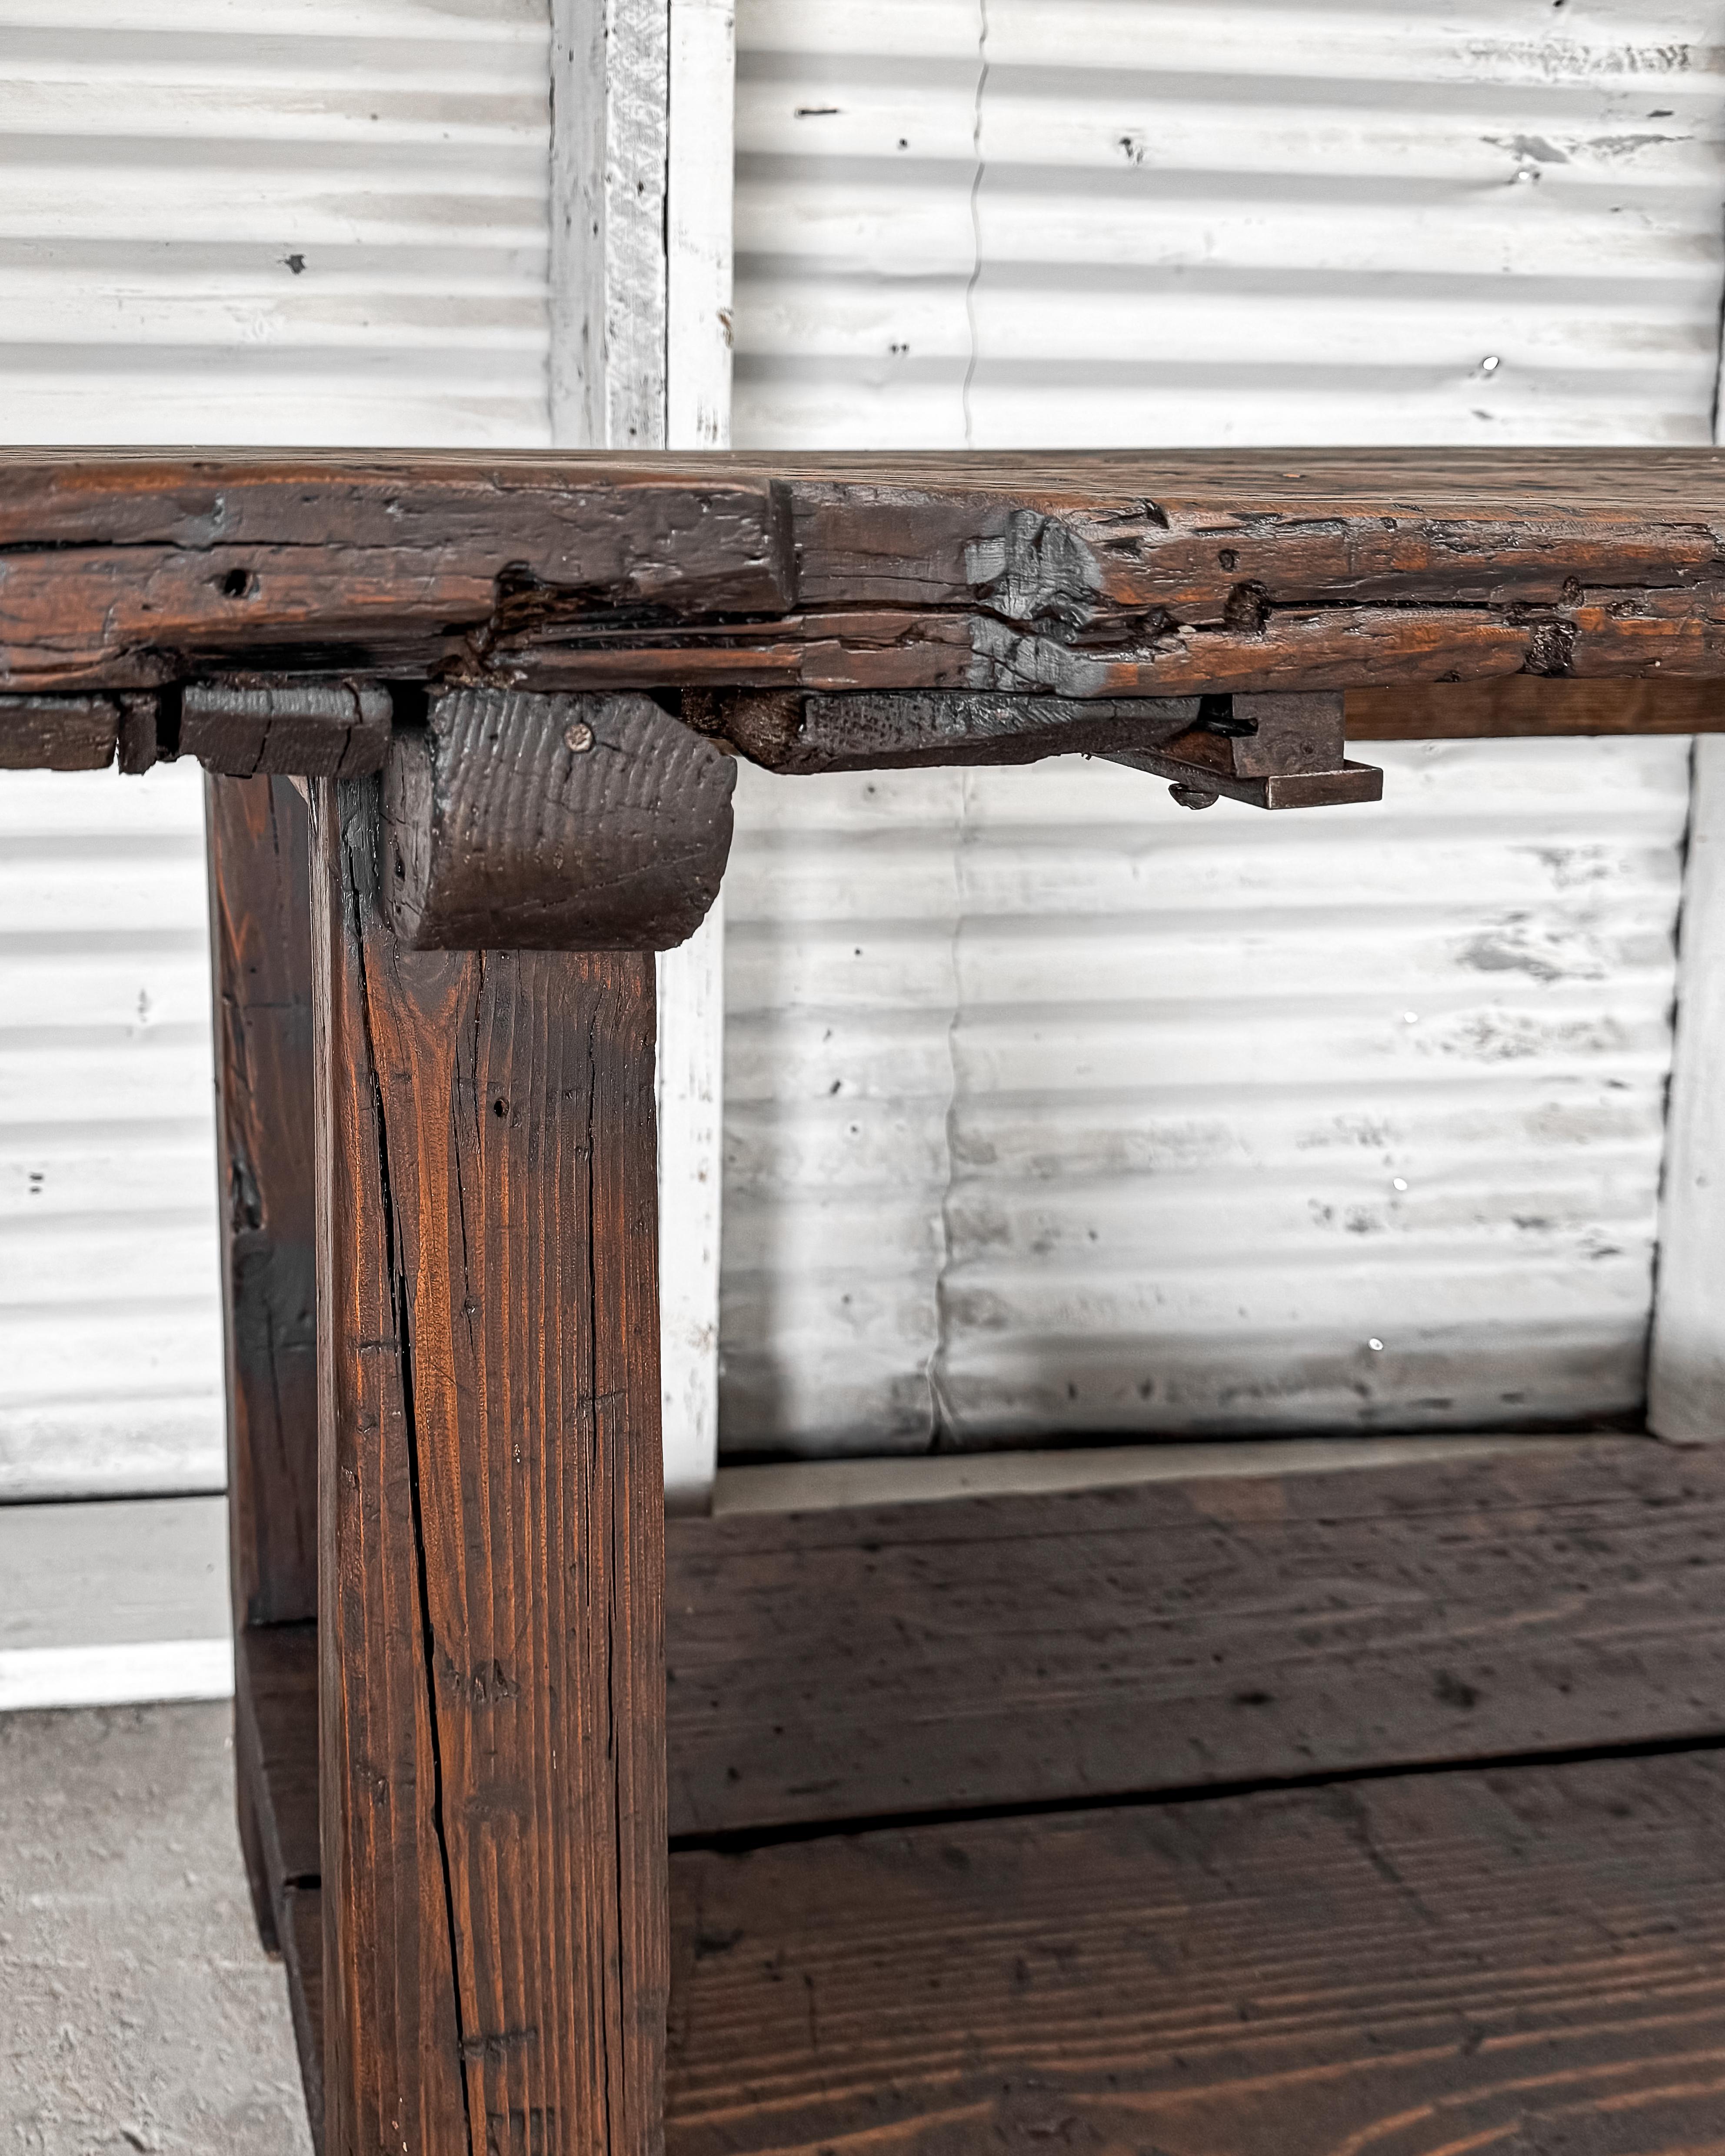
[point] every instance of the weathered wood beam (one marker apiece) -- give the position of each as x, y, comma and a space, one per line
787, 729
315, 729
1104, 576
57, 733
492, 1767
1530, 704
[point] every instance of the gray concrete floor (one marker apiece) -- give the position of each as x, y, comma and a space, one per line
137, 2010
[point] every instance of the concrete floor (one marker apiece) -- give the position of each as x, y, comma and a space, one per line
137, 2010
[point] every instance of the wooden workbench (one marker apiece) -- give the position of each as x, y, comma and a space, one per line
1374, 1810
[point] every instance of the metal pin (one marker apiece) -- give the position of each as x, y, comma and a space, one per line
578, 737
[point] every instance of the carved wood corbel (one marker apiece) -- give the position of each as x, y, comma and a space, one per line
552, 823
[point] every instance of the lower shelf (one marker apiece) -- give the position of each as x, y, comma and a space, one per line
1531, 1959
1419, 1956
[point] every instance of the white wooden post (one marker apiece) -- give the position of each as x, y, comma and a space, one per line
1686, 1378
640, 358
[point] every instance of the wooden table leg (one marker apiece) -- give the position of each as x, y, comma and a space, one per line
491, 1536
260, 919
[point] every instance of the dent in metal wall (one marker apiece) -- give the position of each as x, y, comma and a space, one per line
324, 222
1050, 1108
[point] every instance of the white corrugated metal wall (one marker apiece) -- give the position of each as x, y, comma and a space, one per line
1117, 220
219, 224
1050, 1109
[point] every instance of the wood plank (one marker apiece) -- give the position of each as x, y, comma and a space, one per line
260, 916
876, 1660
871, 1661
276, 1738
492, 1735
71, 733
1520, 704
324, 729
276, 1712
1526, 1958
1107, 575
302, 1951
1522, 1960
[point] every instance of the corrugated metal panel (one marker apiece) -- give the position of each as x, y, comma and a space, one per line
324, 221
1053, 1108
1119, 220
312, 222
1050, 1108
110, 1332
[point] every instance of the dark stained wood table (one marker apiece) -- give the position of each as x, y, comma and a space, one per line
471, 724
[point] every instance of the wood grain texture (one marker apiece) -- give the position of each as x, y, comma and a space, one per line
1519, 704
1522, 1961
492, 1734
57, 733
260, 919
1510, 1962
318, 729
276, 1712
275, 1740
870, 1662
1112, 575
553, 824
302, 1952
784, 729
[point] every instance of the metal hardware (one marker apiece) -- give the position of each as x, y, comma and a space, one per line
1275, 751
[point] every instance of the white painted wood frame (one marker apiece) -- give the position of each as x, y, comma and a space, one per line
1686, 1376
640, 358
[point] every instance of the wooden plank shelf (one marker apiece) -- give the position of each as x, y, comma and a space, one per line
1164, 1968
884, 1660
1419, 1965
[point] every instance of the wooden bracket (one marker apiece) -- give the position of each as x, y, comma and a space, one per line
1269, 751
901, 729
1274, 752
545, 822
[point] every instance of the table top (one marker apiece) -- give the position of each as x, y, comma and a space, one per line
1117, 574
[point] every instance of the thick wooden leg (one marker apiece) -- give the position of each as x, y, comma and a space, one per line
261, 950
492, 1677
260, 914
